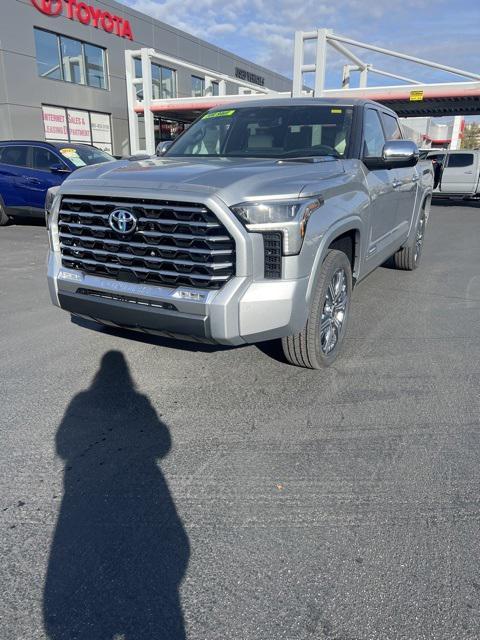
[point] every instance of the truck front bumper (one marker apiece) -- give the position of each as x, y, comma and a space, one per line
242, 311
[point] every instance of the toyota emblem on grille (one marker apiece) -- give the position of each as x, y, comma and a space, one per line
122, 221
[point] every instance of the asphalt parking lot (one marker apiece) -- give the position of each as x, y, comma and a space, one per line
154, 490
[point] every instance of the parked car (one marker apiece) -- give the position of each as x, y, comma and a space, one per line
255, 224
457, 173
28, 168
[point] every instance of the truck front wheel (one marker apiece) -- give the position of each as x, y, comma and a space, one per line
319, 343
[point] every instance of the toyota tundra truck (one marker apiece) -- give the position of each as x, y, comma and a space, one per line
255, 224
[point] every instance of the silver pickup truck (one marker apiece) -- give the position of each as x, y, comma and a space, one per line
254, 225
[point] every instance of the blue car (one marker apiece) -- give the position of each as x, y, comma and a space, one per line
29, 168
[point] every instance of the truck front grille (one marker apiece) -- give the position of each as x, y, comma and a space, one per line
174, 243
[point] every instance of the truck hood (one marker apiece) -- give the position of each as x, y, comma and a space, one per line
231, 179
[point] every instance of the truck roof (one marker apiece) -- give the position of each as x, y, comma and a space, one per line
289, 102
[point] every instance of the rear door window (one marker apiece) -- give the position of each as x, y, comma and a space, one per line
15, 155
457, 160
44, 159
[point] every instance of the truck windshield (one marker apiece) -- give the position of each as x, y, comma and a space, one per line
268, 132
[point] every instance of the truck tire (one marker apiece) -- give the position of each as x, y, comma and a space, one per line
4, 219
319, 343
408, 258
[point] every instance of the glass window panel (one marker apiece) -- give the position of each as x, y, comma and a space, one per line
156, 81
55, 123
138, 74
169, 89
374, 138
48, 59
44, 160
138, 68
215, 88
79, 126
72, 61
16, 156
392, 129
198, 87
101, 128
460, 160
95, 66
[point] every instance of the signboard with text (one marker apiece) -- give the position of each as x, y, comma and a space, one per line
76, 125
55, 123
79, 126
86, 14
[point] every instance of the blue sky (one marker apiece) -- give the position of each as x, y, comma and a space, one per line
440, 30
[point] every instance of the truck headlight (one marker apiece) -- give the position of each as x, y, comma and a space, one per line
52, 207
288, 216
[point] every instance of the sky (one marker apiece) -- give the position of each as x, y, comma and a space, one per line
440, 30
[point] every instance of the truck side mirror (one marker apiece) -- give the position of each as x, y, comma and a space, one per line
400, 153
395, 153
162, 147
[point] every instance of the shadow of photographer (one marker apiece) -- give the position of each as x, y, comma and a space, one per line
119, 551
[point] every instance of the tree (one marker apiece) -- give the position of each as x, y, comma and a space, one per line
471, 136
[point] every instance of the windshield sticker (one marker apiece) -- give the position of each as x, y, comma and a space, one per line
68, 152
335, 110
73, 156
219, 114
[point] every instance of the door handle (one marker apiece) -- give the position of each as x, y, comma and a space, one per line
468, 173
33, 180
415, 178
396, 184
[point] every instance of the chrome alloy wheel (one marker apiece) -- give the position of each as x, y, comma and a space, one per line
419, 237
334, 311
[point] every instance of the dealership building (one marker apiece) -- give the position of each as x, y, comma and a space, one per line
76, 72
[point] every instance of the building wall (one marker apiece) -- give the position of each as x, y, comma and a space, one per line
22, 91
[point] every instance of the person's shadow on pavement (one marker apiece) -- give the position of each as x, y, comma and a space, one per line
119, 551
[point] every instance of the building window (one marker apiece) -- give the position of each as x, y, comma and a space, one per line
48, 55
163, 82
62, 58
77, 125
95, 66
73, 64
214, 88
198, 87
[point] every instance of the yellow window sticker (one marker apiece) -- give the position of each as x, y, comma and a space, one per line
335, 110
68, 152
219, 114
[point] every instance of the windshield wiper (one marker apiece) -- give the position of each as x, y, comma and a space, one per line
326, 158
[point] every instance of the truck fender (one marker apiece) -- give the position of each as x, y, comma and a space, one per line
351, 223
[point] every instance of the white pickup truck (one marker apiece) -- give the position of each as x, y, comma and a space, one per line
457, 173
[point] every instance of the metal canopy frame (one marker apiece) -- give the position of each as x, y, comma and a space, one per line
148, 105
450, 97
324, 37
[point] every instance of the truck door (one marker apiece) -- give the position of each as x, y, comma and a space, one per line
460, 173
380, 182
406, 179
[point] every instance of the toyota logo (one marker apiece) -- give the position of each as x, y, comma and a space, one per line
49, 7
122, 221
